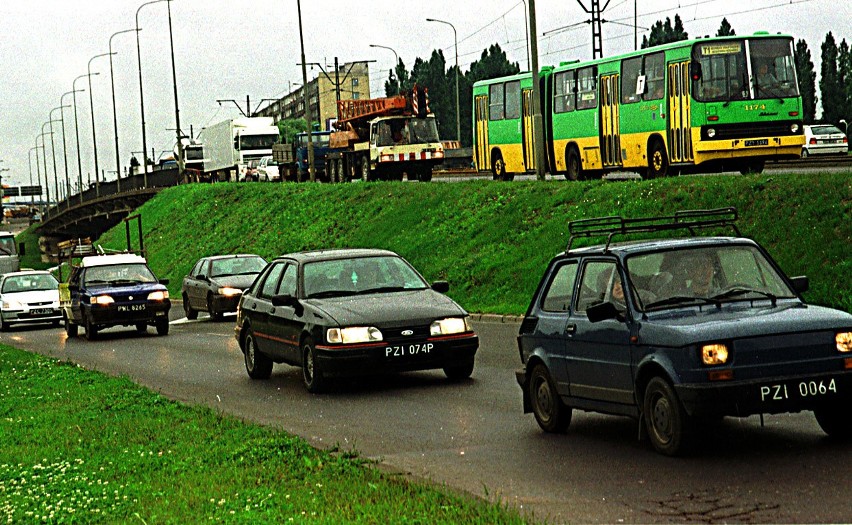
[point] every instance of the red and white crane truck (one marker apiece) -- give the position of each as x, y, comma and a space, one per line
385, 139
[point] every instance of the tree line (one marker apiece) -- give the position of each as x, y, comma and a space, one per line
835, 84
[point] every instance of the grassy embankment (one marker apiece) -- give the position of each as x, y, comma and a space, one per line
492, 241
141, 456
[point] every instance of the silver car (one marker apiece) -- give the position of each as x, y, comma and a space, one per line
824, 139
29, 297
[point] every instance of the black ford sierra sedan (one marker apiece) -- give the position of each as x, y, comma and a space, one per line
679, 333
351, 312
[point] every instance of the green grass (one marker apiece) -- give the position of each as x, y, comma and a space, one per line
77, 446
491, 241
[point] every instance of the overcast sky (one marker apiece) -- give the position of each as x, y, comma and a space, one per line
228, 49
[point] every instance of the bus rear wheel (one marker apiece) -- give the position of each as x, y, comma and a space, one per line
658, 161
498, 167
573, 169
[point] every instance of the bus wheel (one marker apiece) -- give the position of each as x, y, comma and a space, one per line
658, 162
573, 170
498, 167
750, 167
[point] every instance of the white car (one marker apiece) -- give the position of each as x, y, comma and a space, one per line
824, 139
267, 170
29, 297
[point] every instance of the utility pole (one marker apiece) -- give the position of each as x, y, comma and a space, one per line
538, 122
597, 35
308, 117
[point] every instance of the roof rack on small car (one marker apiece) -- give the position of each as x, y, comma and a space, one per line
681, 220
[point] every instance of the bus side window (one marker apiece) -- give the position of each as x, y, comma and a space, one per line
495, 102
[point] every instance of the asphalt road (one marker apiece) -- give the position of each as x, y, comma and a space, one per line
473, 435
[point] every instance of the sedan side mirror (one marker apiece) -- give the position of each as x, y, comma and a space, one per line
290, 301
441, 286
801, 284
164, 281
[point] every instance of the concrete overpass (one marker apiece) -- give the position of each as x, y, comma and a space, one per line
99, 208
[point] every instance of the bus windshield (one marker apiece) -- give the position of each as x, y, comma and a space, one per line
725, 74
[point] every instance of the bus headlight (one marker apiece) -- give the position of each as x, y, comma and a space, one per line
794, 128
711, 132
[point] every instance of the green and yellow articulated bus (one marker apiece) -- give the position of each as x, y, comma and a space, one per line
694, 106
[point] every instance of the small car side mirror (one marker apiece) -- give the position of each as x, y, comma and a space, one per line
164, 281
602, 312
801, 284
441, 286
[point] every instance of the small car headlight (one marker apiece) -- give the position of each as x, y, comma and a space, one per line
450, 325
229, 291
353, 334
844, 341
159, 295
711, 132
11, 304
102, 300
715, 354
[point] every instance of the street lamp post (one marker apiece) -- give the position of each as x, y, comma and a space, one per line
62, 121
30, 156
77, 133
114, 113
395, 64
178, 134
53, 153
94, 137
455, 38
44, 162
141, 96
64, 150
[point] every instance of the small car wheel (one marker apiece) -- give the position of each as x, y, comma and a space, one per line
141, 328
550, 412
4, 325
91, 329
187, 309
258, 365
835, 420
70, 328
459, 372
667, 423
162, 325
311, 372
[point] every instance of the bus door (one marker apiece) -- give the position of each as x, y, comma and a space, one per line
610, 134
481, 152
679, 113
528, 137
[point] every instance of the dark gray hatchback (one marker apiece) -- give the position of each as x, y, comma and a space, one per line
679, 333
351, 312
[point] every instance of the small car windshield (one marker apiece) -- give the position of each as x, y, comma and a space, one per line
707, 275
124, 273
29, 283
360, 275
236, 266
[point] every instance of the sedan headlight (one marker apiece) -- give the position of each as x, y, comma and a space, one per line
715, 354
103, 300
354, 334
844, 341
450, 325
159, 295
11, 304
229, 291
